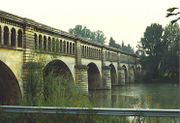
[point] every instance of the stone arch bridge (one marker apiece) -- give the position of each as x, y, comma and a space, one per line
88, 64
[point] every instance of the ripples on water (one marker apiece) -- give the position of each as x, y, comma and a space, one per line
138, 95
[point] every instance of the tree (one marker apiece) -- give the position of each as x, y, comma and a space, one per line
152, 45
169, 64
84, 32
112, 43
127, 48
99, 36
158, 49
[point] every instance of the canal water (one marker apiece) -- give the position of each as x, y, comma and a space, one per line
138, 95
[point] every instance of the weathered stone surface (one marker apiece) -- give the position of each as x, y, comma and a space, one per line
38, 42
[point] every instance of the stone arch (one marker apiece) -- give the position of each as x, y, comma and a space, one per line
138, 68
67, 47
19, 38
53, 45
61, 46
6, 35
82, 50
64, 46
85, 51
113, 75
73, 49
40, 42
35, 41
57, 45
13, 37
59, 68
125, 73
89, 51
49, 44
45, 43
10, 93
70, 46
99, 54
93, 76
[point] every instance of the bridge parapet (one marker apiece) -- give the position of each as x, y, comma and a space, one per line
124, 59
132, 60
92, 52
111, 56
44, 43
50, 40
11, 36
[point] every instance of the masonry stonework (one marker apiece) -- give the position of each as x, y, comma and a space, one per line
29, 37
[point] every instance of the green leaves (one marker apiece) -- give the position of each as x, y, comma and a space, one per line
151, 41
128, 48
172, 9
84, 32
160, 46
172, 13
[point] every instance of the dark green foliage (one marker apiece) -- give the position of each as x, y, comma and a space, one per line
152, 45
97, 36
172, 9
128, 48
112, 43
169, 64
158, 50
172, 12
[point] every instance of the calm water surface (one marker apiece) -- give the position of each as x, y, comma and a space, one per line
139, 95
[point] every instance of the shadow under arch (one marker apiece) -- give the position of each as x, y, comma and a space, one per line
59, 68
93, 76
10, 92
125, 73
113, 75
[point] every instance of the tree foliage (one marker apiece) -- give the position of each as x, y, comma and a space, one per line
169, 63
84, 32
172, 12
112, 43
128, 48
158, 49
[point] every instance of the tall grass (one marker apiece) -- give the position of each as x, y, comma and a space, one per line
53, 89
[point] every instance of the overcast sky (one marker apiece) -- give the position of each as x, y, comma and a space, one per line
121, 19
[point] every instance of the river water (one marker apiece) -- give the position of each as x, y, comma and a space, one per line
138, 95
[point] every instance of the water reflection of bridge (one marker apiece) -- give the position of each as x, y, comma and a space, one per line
90, 65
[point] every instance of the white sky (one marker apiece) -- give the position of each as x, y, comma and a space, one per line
121, 19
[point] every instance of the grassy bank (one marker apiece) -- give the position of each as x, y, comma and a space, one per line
52, 89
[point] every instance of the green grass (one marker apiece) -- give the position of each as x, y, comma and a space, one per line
53, 90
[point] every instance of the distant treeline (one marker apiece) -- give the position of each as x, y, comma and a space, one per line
99, 37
